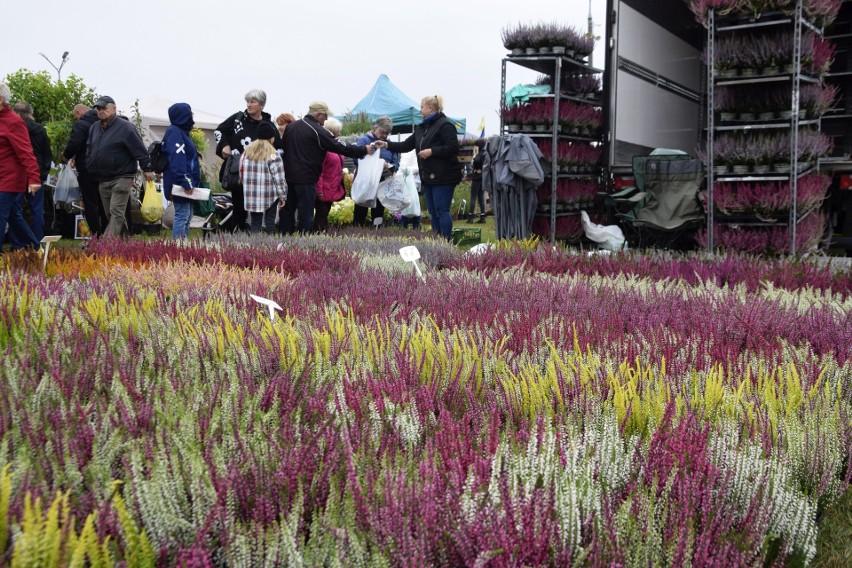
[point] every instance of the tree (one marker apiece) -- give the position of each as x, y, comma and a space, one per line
53, 102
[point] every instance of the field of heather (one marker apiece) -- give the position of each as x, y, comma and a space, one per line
528, 406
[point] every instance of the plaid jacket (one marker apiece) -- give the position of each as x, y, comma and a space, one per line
263, 183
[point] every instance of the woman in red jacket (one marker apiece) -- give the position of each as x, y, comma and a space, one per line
330, 183
18, 169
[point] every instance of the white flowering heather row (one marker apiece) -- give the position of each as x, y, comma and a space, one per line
524, 407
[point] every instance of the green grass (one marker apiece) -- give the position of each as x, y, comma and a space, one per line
834, 542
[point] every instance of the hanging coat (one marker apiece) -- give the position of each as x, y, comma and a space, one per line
512, 171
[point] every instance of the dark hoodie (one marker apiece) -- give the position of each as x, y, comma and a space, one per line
184, 163
76, 147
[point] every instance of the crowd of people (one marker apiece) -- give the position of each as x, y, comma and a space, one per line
286, 169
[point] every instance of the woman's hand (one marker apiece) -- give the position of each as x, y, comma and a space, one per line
427, 153
226, 151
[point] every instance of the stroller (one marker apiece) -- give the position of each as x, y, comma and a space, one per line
223, 210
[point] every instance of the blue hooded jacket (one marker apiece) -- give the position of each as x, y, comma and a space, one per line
184, 164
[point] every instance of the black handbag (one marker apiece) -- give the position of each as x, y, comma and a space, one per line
231, 172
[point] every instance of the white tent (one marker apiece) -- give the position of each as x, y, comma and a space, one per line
154, 114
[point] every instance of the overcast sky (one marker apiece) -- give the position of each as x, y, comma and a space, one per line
209, 53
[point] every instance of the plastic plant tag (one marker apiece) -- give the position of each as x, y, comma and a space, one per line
271, 304
377, 222
46, 242
411, 254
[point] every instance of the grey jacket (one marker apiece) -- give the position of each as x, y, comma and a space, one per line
512, 171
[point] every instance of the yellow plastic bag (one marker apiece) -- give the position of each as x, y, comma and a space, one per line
152, 203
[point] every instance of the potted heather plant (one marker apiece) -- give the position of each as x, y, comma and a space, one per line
511, 40
822, 12
818, 99
518, 40
724, 102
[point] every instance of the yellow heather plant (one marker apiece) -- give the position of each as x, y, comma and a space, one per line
46, 539
5, 497
138, 551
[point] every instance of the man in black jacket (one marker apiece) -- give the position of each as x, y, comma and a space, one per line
41, 149
114, 152
305, 143
93, 207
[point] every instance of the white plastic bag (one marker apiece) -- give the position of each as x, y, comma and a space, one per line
67, 188
608, 237
393, 194
366, 183
413, 209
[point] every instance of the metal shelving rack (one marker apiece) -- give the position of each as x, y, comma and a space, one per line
795, 78
553, 65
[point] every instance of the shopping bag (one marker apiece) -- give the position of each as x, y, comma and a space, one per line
608, 237
152, 203
366, 184
231, 172
413, 209
204, 208
392, 193
67, 188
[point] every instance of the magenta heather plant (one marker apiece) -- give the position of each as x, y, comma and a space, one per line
694, 523
770, 198
772, 240
289, 261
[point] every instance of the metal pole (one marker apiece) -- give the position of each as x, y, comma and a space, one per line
711, 88
554, 167
61, 64
794, 127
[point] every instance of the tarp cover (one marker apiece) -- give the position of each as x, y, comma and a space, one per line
385, 98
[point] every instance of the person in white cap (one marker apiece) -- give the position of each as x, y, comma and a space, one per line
305, 144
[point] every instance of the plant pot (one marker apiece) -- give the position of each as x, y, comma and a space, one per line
530, 51
740, 168
761, 168
541, 128
782, 168
785, 114
727, 116
766, 116
558, 49
569, 52
545, 50
517, 51
747, 116
728, 73
512, 127
803, 114
748, 72
720, 170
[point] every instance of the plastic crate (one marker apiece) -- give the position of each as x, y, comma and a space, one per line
466, 236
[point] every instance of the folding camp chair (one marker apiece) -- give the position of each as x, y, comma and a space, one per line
662, 209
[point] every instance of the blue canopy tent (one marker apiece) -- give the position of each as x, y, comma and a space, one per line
385, 98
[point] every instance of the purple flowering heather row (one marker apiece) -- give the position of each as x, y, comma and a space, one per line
241, 440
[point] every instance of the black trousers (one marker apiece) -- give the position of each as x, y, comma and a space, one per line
93, 206
477, 195
359, 215
239, 198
